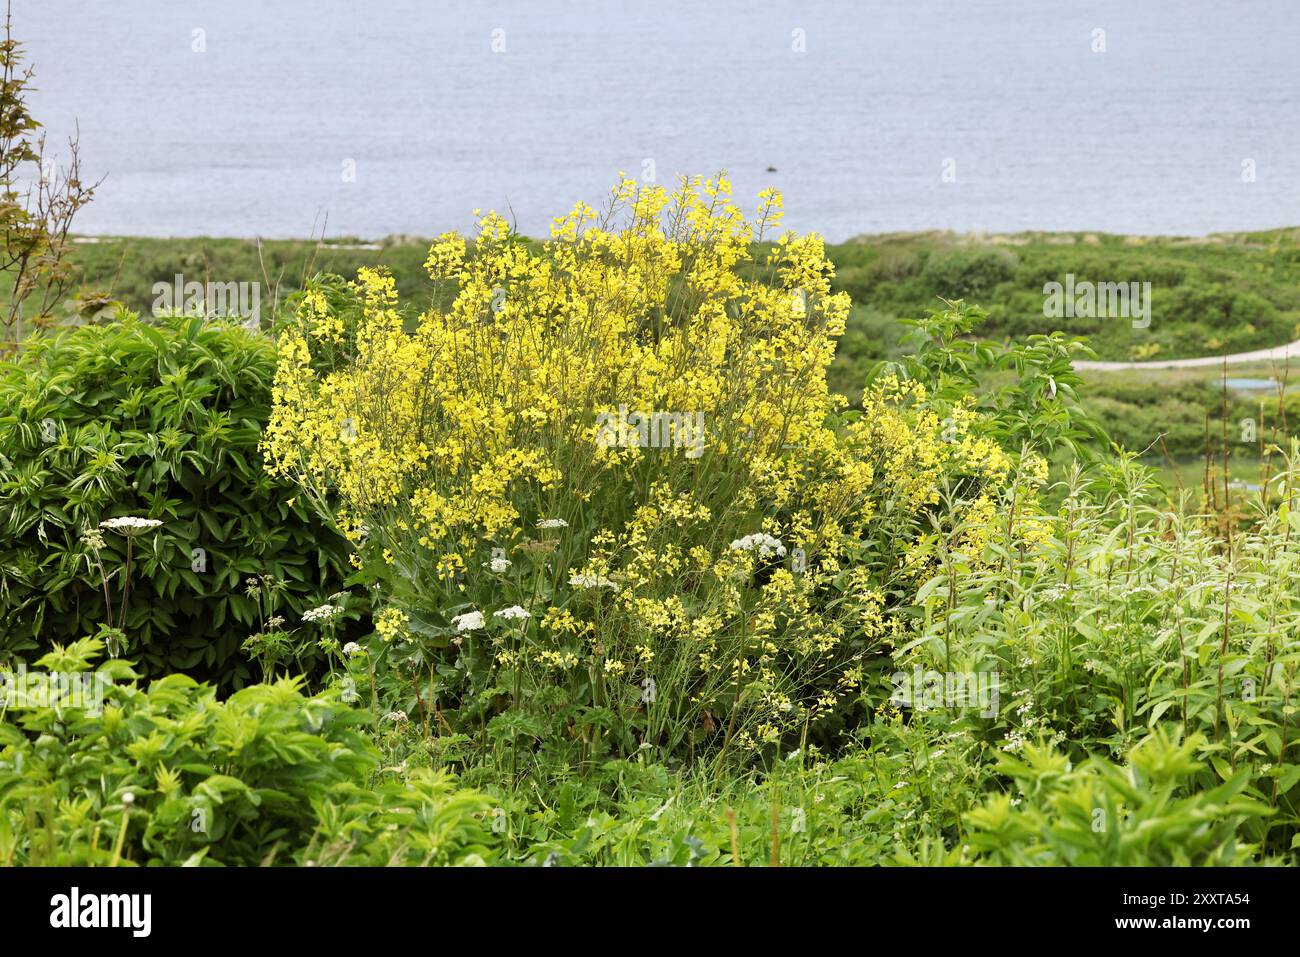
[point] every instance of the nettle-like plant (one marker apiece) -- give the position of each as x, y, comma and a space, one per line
153, 431
612, 502
1025, 391
1126, 616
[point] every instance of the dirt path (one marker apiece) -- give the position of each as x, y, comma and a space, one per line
1278, 353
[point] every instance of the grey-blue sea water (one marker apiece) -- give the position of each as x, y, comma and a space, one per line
254, 117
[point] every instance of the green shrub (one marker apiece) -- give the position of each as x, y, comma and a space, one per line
1122, 621
159, 421
1148, 813
172, 775
967, 273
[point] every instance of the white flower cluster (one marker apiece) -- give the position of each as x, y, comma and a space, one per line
552, 523
351, 648
498, 564
323, 613
592, 581
514, 611
765, 545
129, 524
470, 621
1031, 725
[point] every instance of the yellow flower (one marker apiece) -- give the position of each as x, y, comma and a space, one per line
391, 624
564, 379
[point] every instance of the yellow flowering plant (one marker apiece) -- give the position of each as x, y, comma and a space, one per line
602, 482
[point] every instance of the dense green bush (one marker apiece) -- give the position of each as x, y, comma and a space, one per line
1184, 414
1148, 813
160, 421
967, 273
1127, 620
171, 775
906, 798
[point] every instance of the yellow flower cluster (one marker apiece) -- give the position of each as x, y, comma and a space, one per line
919, 447
655, 373
457, 419
391, 624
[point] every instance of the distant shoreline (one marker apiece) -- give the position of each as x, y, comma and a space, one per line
1082, 237
1223, 293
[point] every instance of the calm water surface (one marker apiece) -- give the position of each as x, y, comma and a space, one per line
859, 107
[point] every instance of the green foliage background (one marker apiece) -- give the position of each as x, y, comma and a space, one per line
154, 420
1212, 295
172, 775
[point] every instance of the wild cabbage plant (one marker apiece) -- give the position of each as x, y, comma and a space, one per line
602, 485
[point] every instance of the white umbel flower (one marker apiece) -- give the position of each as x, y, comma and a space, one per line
498, 564
323, 613
552, 523
129, 525
470, 621
514, 611
765, 545
351, 648
592, 581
